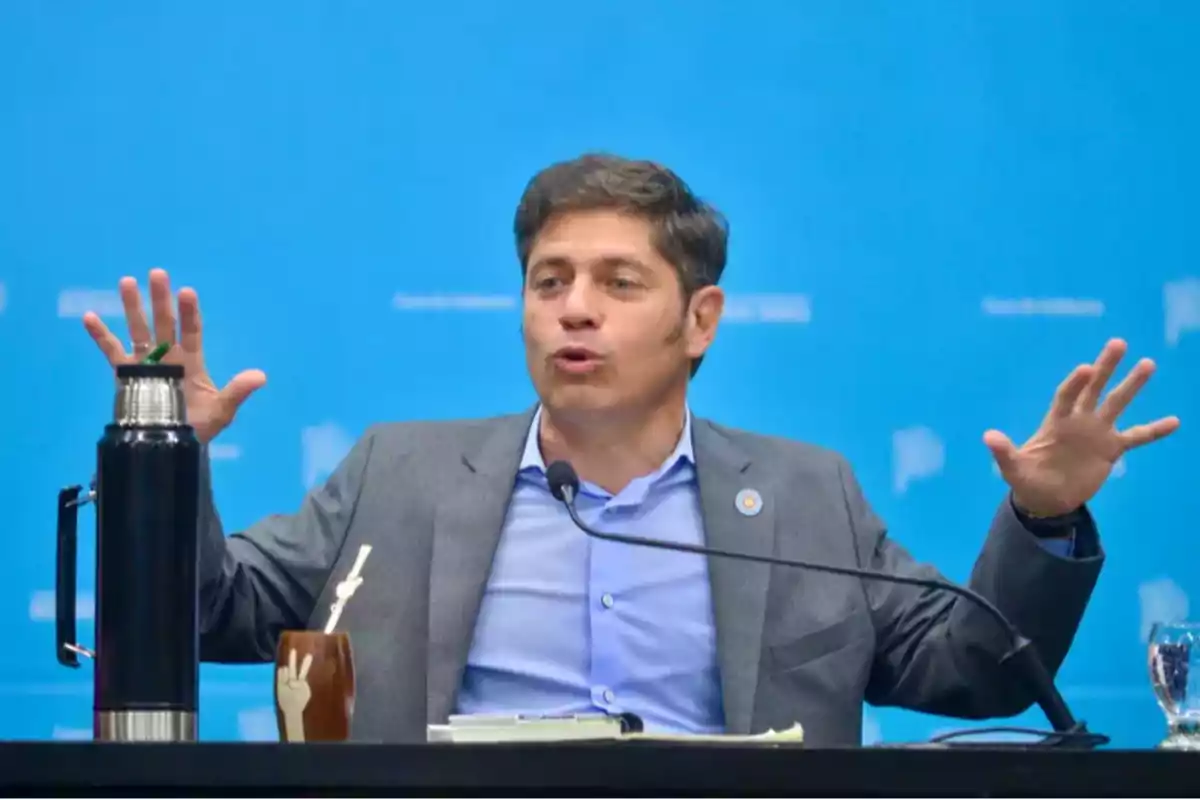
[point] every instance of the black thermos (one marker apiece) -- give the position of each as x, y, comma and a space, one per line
146, 490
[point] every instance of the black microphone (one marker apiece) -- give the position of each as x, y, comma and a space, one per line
1022, 657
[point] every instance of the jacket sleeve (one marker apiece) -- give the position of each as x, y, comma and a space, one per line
259, 582
940, 653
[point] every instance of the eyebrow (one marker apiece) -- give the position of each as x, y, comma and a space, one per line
607, 261
550, 261
624, 261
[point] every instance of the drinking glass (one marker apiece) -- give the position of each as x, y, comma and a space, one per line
1173, 652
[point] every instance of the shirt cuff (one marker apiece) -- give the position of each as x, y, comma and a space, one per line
1054, 534
1060, 547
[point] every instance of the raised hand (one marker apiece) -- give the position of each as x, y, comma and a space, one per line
1071, 455
209, 409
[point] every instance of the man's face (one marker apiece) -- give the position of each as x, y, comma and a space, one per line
604, 322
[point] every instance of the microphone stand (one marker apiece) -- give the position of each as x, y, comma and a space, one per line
1022, 657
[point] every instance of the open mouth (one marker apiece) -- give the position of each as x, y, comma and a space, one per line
576, 359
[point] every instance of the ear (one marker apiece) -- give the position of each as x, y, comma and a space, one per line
703, 314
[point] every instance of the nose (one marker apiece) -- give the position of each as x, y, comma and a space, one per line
580, 308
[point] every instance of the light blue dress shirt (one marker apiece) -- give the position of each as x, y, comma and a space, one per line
570, 624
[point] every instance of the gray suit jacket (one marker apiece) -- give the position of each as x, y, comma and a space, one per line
794, 646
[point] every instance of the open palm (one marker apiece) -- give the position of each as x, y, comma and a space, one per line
1071, 455
209, 408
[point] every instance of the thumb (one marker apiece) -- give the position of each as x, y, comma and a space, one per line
1003, 450
239, 388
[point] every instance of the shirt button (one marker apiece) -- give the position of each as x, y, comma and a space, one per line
606, 600
609, 696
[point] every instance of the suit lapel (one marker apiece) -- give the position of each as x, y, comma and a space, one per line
467, 529
466, 532
739, 588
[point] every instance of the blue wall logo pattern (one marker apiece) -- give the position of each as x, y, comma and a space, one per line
935, 216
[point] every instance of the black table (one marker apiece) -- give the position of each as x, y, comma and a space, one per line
641, 768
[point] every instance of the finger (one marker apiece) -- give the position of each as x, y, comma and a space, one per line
189, 321
237, 390
308, 659
105, 339
1139, 435
1003, 450
281, 675
135, 314
1123, 393
292, 662
1105, 364
1068, 391
160, 302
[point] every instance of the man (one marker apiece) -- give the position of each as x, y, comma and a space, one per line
480, 595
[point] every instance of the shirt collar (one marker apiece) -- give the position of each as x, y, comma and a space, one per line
532, 456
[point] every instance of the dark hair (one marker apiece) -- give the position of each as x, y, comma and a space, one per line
688, 233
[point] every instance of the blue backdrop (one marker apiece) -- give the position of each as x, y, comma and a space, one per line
938, 209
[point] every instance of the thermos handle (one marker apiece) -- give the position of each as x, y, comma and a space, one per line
66, 649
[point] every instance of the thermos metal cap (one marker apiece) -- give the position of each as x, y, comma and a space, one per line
149, 395
139, 370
